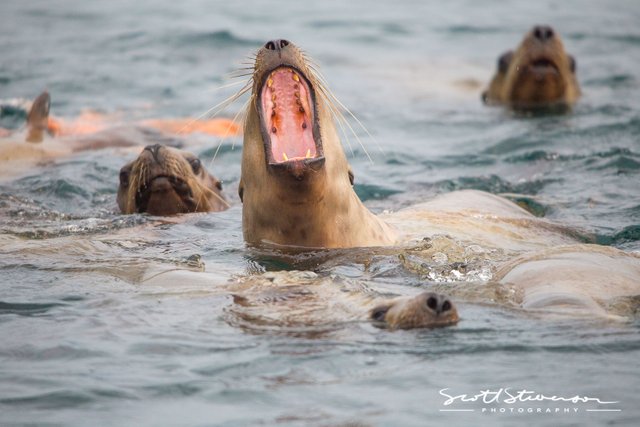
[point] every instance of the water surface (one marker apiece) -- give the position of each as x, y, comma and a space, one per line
85, 340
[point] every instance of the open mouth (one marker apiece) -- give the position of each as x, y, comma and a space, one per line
161, 185
288, 118
544, 64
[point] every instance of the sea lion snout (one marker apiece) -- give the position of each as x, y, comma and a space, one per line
543, 32
426, 310
154, 150
438, 303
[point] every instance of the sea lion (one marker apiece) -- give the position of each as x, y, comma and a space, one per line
297, 300
295, 183
539, 73
167, 181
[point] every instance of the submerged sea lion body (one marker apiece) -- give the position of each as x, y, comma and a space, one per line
298, 299
296, 184
539, 73
167, 181
55, 138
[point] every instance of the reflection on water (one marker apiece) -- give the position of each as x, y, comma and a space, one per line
132, 319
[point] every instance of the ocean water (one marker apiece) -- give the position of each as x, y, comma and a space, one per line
85, 340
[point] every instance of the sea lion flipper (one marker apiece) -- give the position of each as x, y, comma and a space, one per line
38, 117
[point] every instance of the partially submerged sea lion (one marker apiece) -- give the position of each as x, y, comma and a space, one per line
539, 73
295, 185
49, 143
297, 300
167, 181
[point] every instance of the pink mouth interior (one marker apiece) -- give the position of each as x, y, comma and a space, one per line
288, 116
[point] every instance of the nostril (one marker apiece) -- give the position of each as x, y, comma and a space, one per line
537, 33
543, 32
284, 43
432, 303
549, 33
270, 45
446, 306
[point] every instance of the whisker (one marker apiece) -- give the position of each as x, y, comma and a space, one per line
215, 154
228, 85
216, 109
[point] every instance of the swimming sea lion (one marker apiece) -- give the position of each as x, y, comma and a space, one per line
295, 183
539, 73
167, 181
298, 299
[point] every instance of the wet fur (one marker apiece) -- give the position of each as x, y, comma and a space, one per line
516, 84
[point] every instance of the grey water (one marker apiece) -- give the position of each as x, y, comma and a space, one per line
84, 342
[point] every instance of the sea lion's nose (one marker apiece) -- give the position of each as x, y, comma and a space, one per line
543, 32
154, 150
277, 44
439, 303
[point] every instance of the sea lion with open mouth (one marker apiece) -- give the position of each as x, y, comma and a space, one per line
167, 181
296, 185
539, 73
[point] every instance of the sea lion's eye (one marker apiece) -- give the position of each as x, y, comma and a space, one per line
124, 178
504, 61
572, 64
219, 185
378, 313
196, 165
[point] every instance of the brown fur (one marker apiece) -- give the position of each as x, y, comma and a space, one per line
167, 181
539, 73
310, 205
38, 118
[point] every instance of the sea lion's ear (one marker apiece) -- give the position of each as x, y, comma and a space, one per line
352, 178
504, 60
572, 64
218, 185
379, 312
241, 191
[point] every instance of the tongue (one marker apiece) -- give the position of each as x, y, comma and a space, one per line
287, 113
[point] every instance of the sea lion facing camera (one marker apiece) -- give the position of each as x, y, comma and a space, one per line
539, 73
296, 184
167, 181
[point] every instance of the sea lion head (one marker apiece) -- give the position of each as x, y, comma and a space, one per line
426, 310
38, 118
539, 73
168, 181
296, 184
